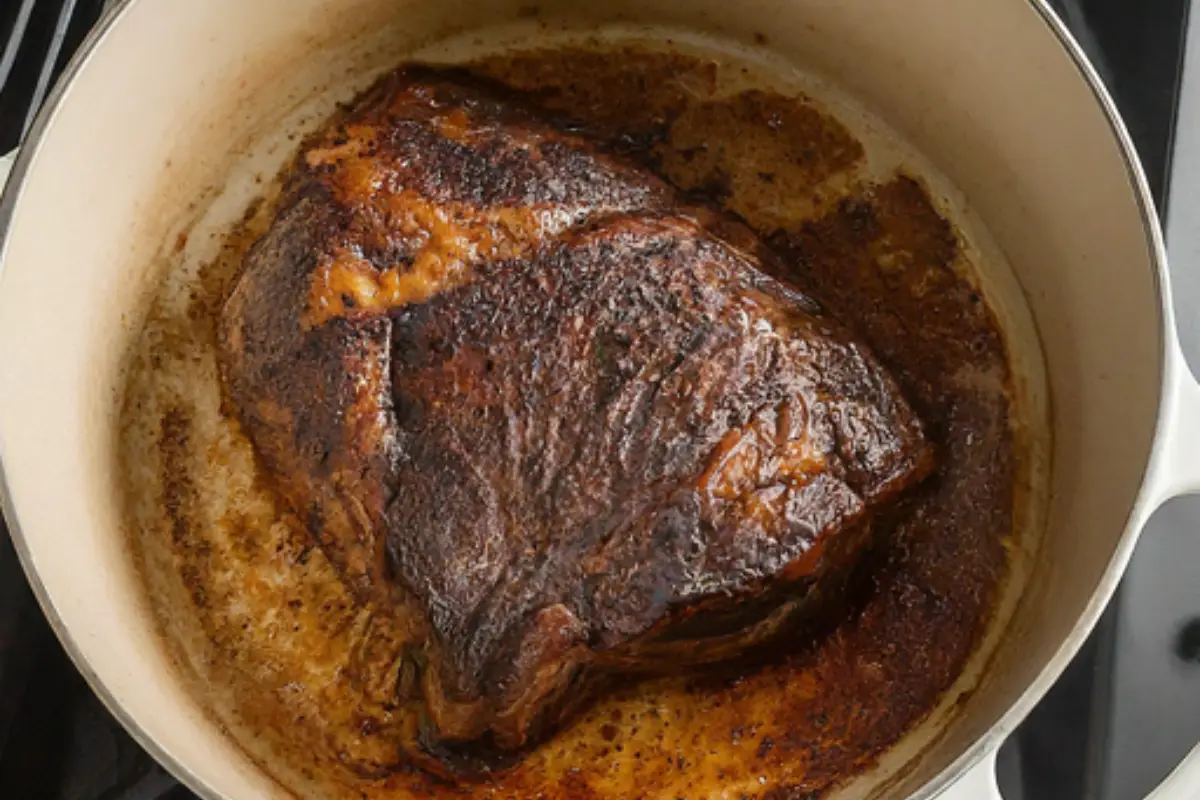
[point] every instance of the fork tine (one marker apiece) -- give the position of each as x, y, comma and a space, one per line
49, 63
36, 36
15, 37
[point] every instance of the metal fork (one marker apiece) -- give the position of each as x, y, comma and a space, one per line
36, 39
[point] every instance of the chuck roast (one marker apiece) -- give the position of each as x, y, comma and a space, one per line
511, 383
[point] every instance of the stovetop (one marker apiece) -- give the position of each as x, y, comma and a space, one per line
1124, 713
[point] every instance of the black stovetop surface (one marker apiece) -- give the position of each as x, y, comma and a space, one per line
57, 741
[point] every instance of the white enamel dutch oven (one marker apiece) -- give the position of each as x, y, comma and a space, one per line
160, 102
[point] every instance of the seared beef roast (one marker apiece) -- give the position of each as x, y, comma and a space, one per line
511, 384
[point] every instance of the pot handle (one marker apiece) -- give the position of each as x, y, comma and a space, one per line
1176, 472
979, 783
1176, 468
1183, 783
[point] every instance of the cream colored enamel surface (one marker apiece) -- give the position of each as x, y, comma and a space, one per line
153, 123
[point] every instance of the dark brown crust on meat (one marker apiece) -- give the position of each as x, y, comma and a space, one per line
277, 650
594, 436
315, 397
570, 444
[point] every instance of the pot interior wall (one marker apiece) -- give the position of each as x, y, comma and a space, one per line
142, 144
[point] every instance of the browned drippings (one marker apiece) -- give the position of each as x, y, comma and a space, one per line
309, 682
